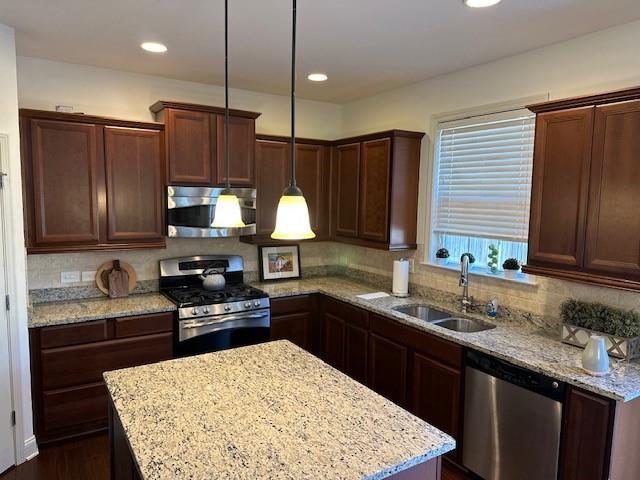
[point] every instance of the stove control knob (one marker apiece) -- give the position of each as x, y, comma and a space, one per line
227, 308
194, 311
205, 310
247, 304
256, 303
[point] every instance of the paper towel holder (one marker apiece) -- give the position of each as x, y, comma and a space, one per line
400, 286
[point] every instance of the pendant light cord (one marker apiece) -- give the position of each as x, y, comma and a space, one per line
226, 91
293, 99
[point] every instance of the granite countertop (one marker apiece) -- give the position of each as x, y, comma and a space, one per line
265, 411
76, 311
518, 342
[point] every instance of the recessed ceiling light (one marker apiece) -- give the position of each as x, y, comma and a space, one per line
153, 47
317, 77
481, 3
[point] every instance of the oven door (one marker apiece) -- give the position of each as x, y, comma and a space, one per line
211, 334
190, 212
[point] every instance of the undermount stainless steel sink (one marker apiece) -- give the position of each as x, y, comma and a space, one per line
463, 325
423, 312
444, 319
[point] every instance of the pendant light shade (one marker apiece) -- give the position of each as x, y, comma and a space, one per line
292, 217
227, 213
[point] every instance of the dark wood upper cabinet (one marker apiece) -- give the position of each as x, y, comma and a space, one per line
64, 171
613, 222
347, 196
272, 174
242, 139
586, 436
585, 195
91, 182
195, 144
376, 190
190, 147
312, 176
135, 200
562, 158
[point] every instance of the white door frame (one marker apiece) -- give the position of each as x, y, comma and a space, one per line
16, 288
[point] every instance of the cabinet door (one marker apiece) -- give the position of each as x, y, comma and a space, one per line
333, 341
67, 173
355, 352
561, 163
373, 213
272, 159
613, 225
436, 394
191, 147
347, 189
312, 176
242, 139
134, 162
586, 437
388, 368
294, 327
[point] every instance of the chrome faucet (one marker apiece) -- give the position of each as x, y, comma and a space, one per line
467, 301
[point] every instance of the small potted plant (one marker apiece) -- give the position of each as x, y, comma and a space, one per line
472, 259
511, 267
441, 256
492, 258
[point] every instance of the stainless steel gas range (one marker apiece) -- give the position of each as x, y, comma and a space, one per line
211, 320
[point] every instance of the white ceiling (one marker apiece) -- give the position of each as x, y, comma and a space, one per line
365, 46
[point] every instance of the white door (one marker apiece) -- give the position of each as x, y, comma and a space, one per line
7, 439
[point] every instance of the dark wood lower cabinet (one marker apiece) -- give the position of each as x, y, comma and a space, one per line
586, 436
296, 319
356, 340
333, 340
388, 362
67, 363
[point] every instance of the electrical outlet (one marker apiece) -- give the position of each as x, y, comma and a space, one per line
69, 277
64, 108
412, 265
88, 276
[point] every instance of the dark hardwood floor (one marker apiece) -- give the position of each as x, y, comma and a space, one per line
88, 459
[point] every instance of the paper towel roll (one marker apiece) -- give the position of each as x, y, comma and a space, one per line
401, 278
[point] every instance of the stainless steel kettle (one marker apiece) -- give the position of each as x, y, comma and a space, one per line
213, 279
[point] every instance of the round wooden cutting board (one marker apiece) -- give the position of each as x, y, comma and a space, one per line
102, 276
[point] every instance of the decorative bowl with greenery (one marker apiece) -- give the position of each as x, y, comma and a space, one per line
472, 259
511, 267
621, 328
441, 256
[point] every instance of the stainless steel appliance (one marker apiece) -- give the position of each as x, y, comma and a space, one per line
512, 421
211, 320
190, 212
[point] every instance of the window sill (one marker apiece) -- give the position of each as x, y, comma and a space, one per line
521, 278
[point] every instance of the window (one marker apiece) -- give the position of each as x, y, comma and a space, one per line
482, 189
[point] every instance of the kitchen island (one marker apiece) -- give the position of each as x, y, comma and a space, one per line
264, 411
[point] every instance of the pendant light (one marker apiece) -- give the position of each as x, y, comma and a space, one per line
227, 213
292, 218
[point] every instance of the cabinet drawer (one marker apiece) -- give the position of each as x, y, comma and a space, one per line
144, 325
74, 334
77, 365
297, 304
442, 350
75, 407
348, 313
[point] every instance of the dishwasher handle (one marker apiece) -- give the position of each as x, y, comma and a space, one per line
522, 377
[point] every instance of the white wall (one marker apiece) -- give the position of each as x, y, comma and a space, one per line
593, 63
42, 84
17, 256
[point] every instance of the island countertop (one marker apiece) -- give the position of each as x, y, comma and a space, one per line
264, 411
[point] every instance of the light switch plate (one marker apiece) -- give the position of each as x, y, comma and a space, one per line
69, 277
88, 276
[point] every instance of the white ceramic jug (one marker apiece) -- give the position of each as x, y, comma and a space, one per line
595, 359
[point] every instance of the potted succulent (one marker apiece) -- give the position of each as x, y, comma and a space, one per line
511, 266
620, 328
441, 256
472, 259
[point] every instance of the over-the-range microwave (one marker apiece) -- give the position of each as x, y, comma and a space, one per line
190, 212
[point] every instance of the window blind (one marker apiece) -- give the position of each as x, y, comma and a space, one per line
483, 170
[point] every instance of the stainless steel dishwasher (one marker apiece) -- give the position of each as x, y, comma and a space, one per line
512, 421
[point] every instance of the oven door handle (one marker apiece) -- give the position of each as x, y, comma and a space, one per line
227, 318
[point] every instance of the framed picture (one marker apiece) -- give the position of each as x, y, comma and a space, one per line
279, 262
